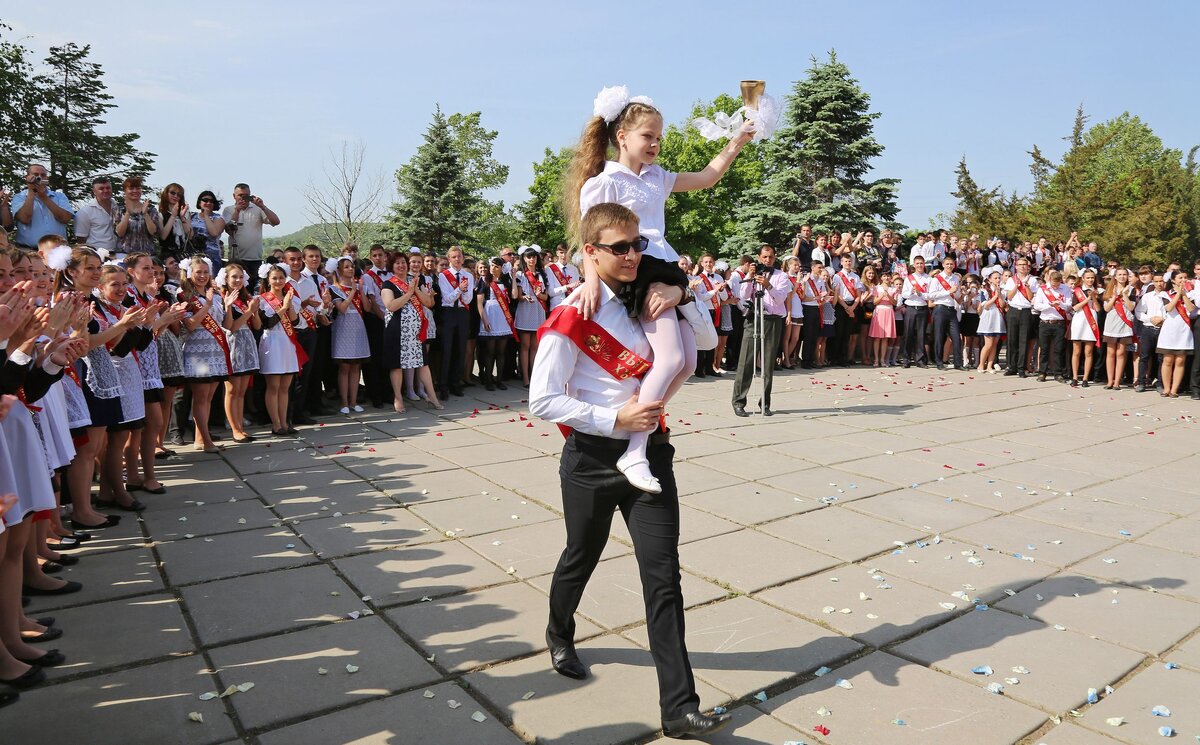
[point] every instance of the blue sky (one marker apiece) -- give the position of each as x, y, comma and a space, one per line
261, 91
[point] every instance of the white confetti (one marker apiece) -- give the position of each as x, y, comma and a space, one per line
843, 683
428, 693
196, 716
528, 695
453, 704
479, 717
208, 696
352, 668
322, 671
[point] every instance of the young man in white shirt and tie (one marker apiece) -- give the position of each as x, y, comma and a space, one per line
846, 288
915, 294
586, 378
1019, 291
561, 277
457, 288
945, 292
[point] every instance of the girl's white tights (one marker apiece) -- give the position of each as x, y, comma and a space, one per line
674, 345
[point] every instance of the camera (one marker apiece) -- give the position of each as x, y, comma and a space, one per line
34, 180
760, 268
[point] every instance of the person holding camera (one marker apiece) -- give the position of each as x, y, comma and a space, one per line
38, 210
140, 222
244, 221
772, 287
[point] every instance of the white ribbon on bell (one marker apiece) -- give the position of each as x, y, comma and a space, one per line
722, 125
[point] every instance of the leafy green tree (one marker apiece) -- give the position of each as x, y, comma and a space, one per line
74, 102
817, 163
18, 114
703, 220
436, 205
541, 218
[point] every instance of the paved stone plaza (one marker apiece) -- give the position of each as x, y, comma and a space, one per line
383, 579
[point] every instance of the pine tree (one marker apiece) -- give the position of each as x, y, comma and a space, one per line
977, 207
817, 163
436, 204
18, 114
75, 101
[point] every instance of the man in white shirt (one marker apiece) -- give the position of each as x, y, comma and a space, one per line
94, 220
846, 287
457, 287
711, 294
561, 277
1149, 313
244, 220
308, 290
945, 290
585, 377
1019, 291
915, 294
814, 293
1052, 303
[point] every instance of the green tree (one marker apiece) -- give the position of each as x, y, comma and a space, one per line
541, 218
18, 114
703, 220
436, 205
74, 103
817, 163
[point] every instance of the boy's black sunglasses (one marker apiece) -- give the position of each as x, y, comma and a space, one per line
620, 248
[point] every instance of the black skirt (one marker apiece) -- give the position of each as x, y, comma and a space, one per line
652, 270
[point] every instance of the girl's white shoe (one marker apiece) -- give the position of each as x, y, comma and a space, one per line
637, 472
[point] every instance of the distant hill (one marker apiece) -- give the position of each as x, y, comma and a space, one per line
311, 234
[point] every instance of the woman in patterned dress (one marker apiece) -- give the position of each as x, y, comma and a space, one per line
405, 301
170, 356
205, 347
241, 321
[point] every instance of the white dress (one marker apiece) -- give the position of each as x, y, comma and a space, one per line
1081, 330
31, 475
276, 353
1114, 327
1176, 332
495, 314
991, 320
645, 193
529, 313
54, 427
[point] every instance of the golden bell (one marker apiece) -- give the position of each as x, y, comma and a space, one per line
752, 91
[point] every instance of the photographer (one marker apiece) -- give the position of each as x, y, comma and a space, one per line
244, 222
38, 210
773, 287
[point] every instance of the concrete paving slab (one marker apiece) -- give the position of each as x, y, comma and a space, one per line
840, 532
983, 490
207, 518
821, 482
1116, 613
1054, 544
1180, 535
393, 720
691, 478
1147, 567
724, 559
742, 646
230, 554
269, 457
755, 464
1096, 516
750, 504
922, 511
620, 674
694, 525
288, 684
1071, 734
1138, 492
481, 628
893, 608
155, 621
482, 513
945, 567
435, 486
532, 550
406, 575
242, 607
887, 688
613, 597
304, 493
1187, 653
1063, 665
366, 531
1177, 690
749, 725
154, 701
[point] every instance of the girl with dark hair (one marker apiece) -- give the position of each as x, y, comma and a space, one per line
496, 325
207, 224
176, 230
529, 290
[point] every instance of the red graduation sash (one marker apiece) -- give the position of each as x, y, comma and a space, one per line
1023, 289
378, 282
598, 344
450, 279
501, 296
912, 280
1054, 301
356, 298
22, 399
1119, 307
288, 329
561, 278
1088, 314
535, 284
401, 285
305, 313
212, 327
716, 299
945, 285
816, 295
846, 283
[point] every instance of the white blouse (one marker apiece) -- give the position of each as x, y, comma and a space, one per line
645, 193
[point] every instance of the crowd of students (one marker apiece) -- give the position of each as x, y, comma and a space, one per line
106, 356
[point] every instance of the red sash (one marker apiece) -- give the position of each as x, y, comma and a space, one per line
816, 295
305, 313
501, 296
450, 279
1180, 308
1023, 289
401, 285
212, 327
378, 282
716, 299
1119, 307
945, 285
846, 283
356, 298
288, 329
22, 399
912, 280
1088, 314
600, 346
535, 284
73, 374
1055, 301
561, 278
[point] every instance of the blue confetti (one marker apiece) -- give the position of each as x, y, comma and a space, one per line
719, 710
761, 696
1125, 533
1166, 731
1172, 666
